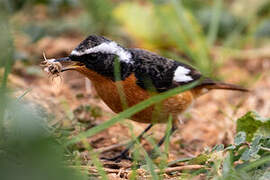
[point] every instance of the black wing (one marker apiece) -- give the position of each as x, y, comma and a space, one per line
154, 72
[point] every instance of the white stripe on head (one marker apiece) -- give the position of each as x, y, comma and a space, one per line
109, 48
180, 74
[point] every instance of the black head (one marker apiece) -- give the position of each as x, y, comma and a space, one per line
90, 42
99, 54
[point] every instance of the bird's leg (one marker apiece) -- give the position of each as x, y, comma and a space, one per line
152, 153
124, 153
164, 137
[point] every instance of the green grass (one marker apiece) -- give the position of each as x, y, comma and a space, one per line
23, 132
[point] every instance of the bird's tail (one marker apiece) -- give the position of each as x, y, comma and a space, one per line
211, 84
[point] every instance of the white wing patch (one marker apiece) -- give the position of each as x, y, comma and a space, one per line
180, 74
110, 48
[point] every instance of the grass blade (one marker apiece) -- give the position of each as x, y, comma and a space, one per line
6, 59
25, 93
200, 51
151, 167
213, 31
94, 157
255, 164
119, 85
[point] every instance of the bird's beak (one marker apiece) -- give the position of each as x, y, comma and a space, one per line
56, 66
68, 64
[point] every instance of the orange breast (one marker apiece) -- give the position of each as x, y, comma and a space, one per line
109, 93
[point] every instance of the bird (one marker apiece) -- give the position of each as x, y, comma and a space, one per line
141, 74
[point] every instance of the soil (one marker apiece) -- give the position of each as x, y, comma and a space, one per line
210, 121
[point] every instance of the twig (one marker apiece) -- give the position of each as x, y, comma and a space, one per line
265, 149
108, 148
92, 169
180, 168
114, 146
123, 164
181, 160
187, 153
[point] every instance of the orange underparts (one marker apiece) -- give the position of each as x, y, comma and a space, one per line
109, 93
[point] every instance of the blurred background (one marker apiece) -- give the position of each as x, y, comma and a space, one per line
227, 40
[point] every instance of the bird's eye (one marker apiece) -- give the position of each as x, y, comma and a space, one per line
94, 55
